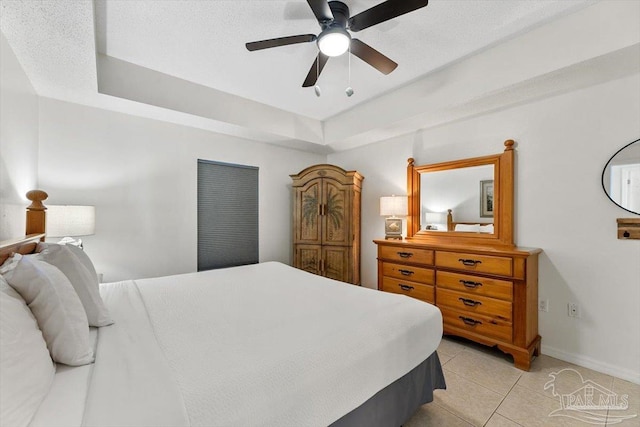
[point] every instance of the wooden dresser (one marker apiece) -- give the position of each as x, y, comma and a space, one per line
485, 286
487, 295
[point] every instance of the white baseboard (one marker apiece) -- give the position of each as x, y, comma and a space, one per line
596, 365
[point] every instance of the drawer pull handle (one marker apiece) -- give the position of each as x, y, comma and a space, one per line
470, 284
405, 254
406, 272
469, 262
469, 321
469, 302
405, 287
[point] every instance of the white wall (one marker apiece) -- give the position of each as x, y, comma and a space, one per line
18, 142
563, 143
141, 175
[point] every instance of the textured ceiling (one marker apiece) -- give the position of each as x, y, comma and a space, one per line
202, 42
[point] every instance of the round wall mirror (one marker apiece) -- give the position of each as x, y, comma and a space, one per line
621, 177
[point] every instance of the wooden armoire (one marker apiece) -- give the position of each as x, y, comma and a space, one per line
326, 222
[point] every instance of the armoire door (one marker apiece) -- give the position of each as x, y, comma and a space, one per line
335, 263
308, 258
306, 216
336, 213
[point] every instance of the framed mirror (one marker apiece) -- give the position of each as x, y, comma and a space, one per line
621, 177
467, 201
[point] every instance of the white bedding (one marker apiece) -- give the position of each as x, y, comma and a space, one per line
264, 345
68, 391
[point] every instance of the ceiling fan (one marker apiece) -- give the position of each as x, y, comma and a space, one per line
335, 38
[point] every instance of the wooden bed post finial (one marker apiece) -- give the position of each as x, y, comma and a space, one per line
508, 144
36, 214
36, 197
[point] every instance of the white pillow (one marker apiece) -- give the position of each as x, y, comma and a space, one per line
85, 282
472, 228
26, 368
81, 254
55, 305
486, 228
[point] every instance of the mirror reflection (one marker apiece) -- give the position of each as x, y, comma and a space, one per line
459, 199
621, 177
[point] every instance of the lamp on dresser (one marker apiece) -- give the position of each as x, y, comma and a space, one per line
392, 207
68, 221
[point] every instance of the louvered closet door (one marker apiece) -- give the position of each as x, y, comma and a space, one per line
227, 215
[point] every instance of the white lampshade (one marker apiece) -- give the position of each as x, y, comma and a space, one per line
70, 221
393, 206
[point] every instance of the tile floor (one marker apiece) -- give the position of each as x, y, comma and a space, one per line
485, 389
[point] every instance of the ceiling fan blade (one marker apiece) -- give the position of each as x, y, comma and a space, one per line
321, 10
383, 12
372, 57
316, 69
281, 41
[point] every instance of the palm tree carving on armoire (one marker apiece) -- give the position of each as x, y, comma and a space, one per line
310, 208
334, 208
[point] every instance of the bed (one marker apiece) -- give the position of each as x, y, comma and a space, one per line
263, 344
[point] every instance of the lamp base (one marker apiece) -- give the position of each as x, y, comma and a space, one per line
393, 228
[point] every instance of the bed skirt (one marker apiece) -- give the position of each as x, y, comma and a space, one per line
396, 403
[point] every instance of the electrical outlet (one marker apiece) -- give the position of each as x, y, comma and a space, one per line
573, 309
543, 305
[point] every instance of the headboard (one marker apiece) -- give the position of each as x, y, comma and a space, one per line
34, 230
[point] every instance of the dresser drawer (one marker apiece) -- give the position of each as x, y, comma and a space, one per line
477, 323
502, 266
407, 272
475, 285
395, 253
412, 289
494, 308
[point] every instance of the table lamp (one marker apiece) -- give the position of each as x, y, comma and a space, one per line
70, 221
392, 207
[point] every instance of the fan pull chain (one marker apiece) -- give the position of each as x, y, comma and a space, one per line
349, 89
316, 88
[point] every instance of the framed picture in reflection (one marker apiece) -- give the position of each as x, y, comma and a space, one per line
486, 198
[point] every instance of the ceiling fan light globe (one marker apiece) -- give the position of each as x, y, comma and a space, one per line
334, 41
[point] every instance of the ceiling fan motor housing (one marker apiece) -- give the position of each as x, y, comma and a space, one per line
340, 15
334, 39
